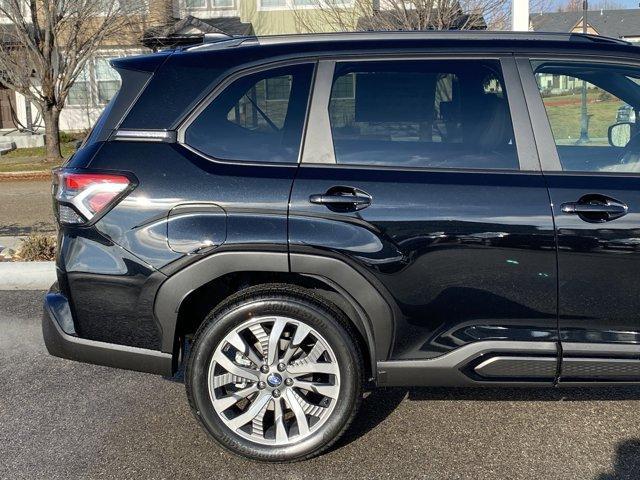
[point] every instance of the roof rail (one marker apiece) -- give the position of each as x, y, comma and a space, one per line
215, 37
601, 39
217, 41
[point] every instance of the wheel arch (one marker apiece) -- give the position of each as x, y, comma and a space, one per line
335, 280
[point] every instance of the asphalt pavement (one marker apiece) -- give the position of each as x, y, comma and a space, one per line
25, 207
65, 420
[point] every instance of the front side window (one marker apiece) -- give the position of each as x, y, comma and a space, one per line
258, 118
592, 111
432, 114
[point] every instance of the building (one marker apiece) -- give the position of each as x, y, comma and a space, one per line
623, 24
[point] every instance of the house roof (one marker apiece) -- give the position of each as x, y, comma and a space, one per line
191, 29
611, 23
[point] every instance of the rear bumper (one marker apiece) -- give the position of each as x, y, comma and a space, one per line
61, 341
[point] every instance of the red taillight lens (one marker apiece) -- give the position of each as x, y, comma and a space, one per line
89, 193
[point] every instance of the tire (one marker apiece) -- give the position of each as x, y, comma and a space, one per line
316, 364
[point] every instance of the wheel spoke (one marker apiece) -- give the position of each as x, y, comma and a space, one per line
226, 379
254, 409
325, 389
257, 425
302, 331
274, 339
226, 363
310, 409
262, 337
243, 347
301, 369
301, 418
221, 404
281, 431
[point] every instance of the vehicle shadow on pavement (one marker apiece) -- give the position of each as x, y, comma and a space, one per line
626, 464
381, 402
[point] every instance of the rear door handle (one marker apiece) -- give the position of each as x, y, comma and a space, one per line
349, 198
595, 208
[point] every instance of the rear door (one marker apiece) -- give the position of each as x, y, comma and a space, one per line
584, 116
423, 175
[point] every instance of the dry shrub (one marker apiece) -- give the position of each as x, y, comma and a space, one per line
38, 248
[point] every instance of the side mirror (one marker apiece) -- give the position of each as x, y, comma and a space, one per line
78, 144
620, 134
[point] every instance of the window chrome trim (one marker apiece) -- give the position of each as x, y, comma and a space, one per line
318, 143
167, 136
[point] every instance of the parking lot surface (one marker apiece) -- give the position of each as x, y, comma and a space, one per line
25, 207
61, 419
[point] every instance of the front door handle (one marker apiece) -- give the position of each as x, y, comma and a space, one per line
596, 208
342, 198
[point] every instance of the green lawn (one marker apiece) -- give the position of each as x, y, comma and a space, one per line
38, 152
564, 116
31, 159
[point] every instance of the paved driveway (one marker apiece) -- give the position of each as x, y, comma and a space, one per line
25, 207
61, 419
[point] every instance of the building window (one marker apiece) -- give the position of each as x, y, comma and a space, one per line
344, 87
278, 88
96, 85
107, 80
209, 4
273, 4
80, 92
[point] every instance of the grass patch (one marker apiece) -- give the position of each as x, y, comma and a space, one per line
39, 152
25, 165
564, 116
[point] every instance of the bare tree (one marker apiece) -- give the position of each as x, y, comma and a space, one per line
48, 43
358, 15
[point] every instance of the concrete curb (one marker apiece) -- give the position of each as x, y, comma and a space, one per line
27, 275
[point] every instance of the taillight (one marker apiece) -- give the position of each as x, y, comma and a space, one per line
83, 196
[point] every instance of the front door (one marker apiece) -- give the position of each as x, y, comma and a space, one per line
593, 174
6, 120
423, 175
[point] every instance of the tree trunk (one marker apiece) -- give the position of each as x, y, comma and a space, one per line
51, 116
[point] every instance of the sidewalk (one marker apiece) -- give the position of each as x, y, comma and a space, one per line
27, 275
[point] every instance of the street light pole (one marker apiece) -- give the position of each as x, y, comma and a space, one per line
584, 118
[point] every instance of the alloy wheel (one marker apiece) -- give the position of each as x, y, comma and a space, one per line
274, 380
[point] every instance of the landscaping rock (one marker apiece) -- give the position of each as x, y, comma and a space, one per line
7, 252
6, 147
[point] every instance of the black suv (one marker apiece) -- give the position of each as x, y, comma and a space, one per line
297, 218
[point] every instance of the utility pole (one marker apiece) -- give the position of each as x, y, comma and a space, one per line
520, 15
584, 117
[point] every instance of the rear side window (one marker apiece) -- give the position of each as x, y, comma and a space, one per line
258, 118
436, 114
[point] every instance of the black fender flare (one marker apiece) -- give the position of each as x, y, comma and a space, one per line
374, 319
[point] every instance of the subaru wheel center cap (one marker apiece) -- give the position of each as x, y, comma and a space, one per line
274, 380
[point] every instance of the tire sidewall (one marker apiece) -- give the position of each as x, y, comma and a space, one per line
215, 330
